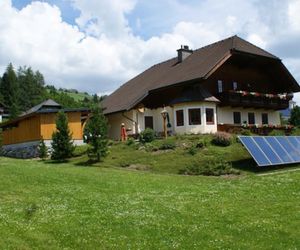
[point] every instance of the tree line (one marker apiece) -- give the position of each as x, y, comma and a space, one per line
24, 88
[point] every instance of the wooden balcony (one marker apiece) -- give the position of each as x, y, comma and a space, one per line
257, 100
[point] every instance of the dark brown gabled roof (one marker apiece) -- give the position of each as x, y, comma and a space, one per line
199, 65
48, 106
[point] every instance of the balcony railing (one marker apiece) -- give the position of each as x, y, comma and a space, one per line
254, 100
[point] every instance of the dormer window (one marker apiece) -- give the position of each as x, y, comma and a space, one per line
234, 85
220, 86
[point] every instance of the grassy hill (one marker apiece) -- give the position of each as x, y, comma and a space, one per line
110, 205
78, 96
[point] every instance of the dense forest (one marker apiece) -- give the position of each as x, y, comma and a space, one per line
24, 88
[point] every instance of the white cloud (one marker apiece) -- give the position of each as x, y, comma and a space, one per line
101, 51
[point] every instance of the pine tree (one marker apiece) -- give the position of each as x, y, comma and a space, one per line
96, 134
62, 144
43, 150
295, 116
10, 91
32, 91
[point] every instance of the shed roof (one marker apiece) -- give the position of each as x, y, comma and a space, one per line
198, 65
48, 106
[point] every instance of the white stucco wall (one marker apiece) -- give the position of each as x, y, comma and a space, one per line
115, 121
203, 128
225, 115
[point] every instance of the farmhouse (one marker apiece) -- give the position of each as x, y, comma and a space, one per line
22, 135
226, 84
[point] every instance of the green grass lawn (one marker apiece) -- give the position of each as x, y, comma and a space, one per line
68, 206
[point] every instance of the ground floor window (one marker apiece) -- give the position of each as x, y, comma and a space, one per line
251, 118
195, 116
179, 118
237, 117
209, 116
149, 122
264, 118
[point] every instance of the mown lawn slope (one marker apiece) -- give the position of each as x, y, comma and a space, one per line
56, 206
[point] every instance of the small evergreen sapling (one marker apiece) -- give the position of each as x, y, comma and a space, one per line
96, 134
43, 150
62, 144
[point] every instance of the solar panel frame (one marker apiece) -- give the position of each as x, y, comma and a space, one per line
283, 148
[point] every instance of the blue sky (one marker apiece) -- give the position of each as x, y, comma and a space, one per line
97, 45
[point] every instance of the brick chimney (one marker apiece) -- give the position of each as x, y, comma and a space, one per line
183, 53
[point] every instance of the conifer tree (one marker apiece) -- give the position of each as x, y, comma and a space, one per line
62, 144
96, 134
295, 116
10, 91
43, 150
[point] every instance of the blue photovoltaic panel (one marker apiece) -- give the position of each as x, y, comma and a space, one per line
273, 150
281, 152
255, 151
289, 148
269, 152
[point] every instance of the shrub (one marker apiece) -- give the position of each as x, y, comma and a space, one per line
192, 150
130, 142
246, 132
222, 139
167, 145
213, 167
148, 135
43, 150
201, 143
296, 131
276, 132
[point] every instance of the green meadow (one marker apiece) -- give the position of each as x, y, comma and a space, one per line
116, 205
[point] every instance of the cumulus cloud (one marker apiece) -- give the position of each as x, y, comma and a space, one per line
101, 50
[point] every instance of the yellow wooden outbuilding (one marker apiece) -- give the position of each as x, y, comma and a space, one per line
39, 123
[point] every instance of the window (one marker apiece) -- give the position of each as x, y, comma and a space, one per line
237, 117
194, 116
264, 118
179, 118
234, 85
220, 86
209, 116
251, 118
149, 122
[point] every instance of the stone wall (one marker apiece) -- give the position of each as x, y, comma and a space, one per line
27, 150
21, 150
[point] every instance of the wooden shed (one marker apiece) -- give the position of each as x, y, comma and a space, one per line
39, 123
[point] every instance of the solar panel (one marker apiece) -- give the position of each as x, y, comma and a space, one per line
273, 150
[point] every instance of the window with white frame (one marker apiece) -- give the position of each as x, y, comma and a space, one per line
264, 118
209, 112
179, 118
234, 85
194, 116
237, 117
220, 86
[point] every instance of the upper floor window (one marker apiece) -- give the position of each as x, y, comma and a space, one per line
209, 112
234, 85
195, 116
179, 118
220, 86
